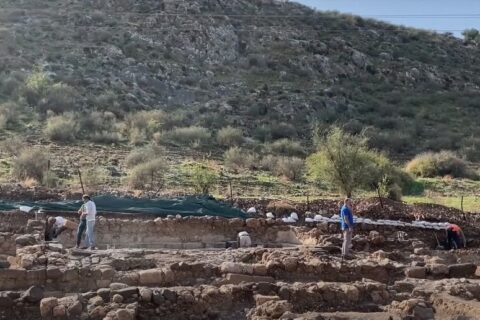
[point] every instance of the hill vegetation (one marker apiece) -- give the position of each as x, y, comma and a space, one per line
242, 83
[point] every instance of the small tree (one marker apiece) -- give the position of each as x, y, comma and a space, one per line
345, 162
203, 177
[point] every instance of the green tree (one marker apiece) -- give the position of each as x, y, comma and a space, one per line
345, 162
203, 177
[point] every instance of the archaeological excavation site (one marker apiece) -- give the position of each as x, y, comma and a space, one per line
178, 268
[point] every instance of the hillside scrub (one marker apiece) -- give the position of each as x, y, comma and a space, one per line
345, 162
61, 128
203, 177
230, 137
237, 159
193, 136
444, 163
286, 147
143, 154
289, 167
9, 115
149, 175
31, 163
140, 126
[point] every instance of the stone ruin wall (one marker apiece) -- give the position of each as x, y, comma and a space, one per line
213, 232
8, 246
193, 232
14, 221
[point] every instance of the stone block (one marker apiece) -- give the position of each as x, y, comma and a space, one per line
54, 273
233, 278
127, 293
46, 307
463, 270
416, 272
151, 277
438, 269
261, 299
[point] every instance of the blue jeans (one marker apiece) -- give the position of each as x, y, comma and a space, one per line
90, 239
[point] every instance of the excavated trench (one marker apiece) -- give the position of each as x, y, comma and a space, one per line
180, 269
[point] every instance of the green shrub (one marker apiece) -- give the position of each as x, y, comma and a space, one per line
107, 101
36, 86
286, 147
100, 127
230, 137
283, 131
189, 136
10, 85
413, 187
345, 162
237, 159
268, 163
149, 175
263, 133
31, 163
105, 137
440, 164
59, 98
142, 155
12, 146
9, 115
61, 128
203, 177
289, 167
140, 126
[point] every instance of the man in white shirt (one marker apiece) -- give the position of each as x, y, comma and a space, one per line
90, 213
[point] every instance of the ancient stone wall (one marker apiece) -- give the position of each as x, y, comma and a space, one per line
7, 244
214, 232
14, 221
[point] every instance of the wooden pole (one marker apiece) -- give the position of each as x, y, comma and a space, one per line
231, 189
81, 182
461, 207
379, 197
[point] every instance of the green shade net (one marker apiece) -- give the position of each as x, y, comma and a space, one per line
185, 206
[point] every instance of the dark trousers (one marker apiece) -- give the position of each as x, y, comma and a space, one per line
454, 241
81, 230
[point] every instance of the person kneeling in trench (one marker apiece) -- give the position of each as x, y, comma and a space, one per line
57, 225
455, 237
346, 223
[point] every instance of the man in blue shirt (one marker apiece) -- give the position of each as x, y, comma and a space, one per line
346, 222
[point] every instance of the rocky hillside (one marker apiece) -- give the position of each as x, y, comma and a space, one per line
272, 68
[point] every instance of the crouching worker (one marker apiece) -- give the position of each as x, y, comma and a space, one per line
455, 237
244, 240
57, 225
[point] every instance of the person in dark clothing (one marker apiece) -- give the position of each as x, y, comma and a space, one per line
455, 237
82, 227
